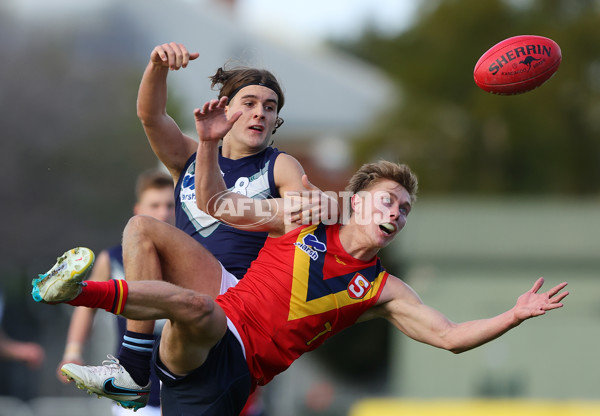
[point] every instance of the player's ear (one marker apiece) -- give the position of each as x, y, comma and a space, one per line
356, 203
278, 124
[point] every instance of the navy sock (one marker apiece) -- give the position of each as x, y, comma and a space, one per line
136, 356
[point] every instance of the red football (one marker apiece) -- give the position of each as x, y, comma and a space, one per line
517, 65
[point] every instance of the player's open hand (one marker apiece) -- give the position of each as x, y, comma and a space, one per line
531, 303
310, 206
172, 55
212, 123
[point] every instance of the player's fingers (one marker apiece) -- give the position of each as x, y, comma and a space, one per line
234, 117
306, 216
223, 101
203, 111
557, 289
295, 218
174, 54
170, 53
537, 285
212, 104
293, 211
292, 207
178, 55
559, 297
159, 55
185, 55
552, 306
316, 213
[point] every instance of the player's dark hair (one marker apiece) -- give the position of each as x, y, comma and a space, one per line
234, 79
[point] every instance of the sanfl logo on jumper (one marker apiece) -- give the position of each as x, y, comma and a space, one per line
358, 287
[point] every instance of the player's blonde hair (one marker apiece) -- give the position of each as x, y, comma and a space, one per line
370, 173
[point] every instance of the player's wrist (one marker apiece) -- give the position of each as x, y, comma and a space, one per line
159, 66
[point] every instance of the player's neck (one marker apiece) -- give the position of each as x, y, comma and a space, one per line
356, 243
234, 150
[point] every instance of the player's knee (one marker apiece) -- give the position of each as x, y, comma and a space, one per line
137, 224
139, 231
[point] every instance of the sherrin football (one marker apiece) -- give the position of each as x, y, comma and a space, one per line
517, 65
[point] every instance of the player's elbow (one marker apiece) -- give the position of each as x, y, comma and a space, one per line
203, 206
446, 344
206, 199
456, 346
457, 350
148, 117
142, 113
216, 207
448, 340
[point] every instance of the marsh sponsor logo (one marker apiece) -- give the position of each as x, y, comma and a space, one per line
311, 246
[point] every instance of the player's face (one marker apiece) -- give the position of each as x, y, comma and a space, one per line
258, 104
383, 210
158, 203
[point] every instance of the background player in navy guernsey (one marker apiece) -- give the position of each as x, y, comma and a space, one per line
248, 164
154, 197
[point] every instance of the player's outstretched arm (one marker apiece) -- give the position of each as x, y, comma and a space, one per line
170, 145
402, 306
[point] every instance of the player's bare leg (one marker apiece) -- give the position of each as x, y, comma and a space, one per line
153, 251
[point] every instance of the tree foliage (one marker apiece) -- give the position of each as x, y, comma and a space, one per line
459, 138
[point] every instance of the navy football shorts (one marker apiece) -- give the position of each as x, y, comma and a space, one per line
219, 387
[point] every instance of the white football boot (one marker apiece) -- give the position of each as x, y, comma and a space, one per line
63, 281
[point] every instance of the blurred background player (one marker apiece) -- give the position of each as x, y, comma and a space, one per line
30, 353
154, 197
